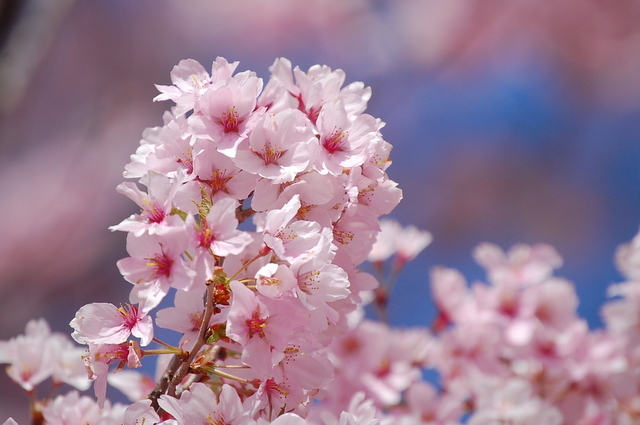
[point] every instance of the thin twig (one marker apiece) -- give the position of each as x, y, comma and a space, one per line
185, 365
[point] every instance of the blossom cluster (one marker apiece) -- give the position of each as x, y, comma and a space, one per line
258, 206
256, 302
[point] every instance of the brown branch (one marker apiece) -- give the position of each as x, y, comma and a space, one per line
163, 383
185, 366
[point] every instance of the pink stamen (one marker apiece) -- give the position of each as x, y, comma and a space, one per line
161, 265
230, 121
334, 141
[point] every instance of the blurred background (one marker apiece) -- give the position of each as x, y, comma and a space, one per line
512, 122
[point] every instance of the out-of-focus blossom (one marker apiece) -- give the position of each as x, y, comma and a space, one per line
405, 242
584, 38
40, 354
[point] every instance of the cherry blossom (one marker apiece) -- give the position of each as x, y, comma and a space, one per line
200, 404
278, 148
40, 354
155, 265
258, 207
104, 323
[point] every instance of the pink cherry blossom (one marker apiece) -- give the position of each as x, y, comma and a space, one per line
278, 147
74, 409
189, 79
186, 316
262, 327
218, 231
104, 323
628, 259
101, 356
133, 384
227, 111
40, 354
219, 176
155, 265
343, 139
290, 239
199, 404
140, 412
156, 215
319, 283
411, 241
275, 280
512, 402
385, 245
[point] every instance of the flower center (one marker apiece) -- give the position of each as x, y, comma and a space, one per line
129, 315
206, 235
335, 140
161, 265
270, 154
154, 213
230, 120
256, 325
218, 181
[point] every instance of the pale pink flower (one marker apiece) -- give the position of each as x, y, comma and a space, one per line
385, 245
101, 356
405, 242
319, 283
410, 242
313, 188
381, 195
74, 409
275, 280
551, 304
377, 360
377, 157
628, 259
29, 356
173, 150
343, 141
186, 315
104, 323
274, 395
358, 411
451, 295
155, 265
425, 404
622, 315
68, 364
40, 354
219, 176
218, 232
278, 147
522, 265
355, 232
133, 384
189, 79
263, 330
227, 111
140, 413
286, 419
512, 402
236, 263
304, 364
152, 138
312, 89
199, 404
289, 239
156, 215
